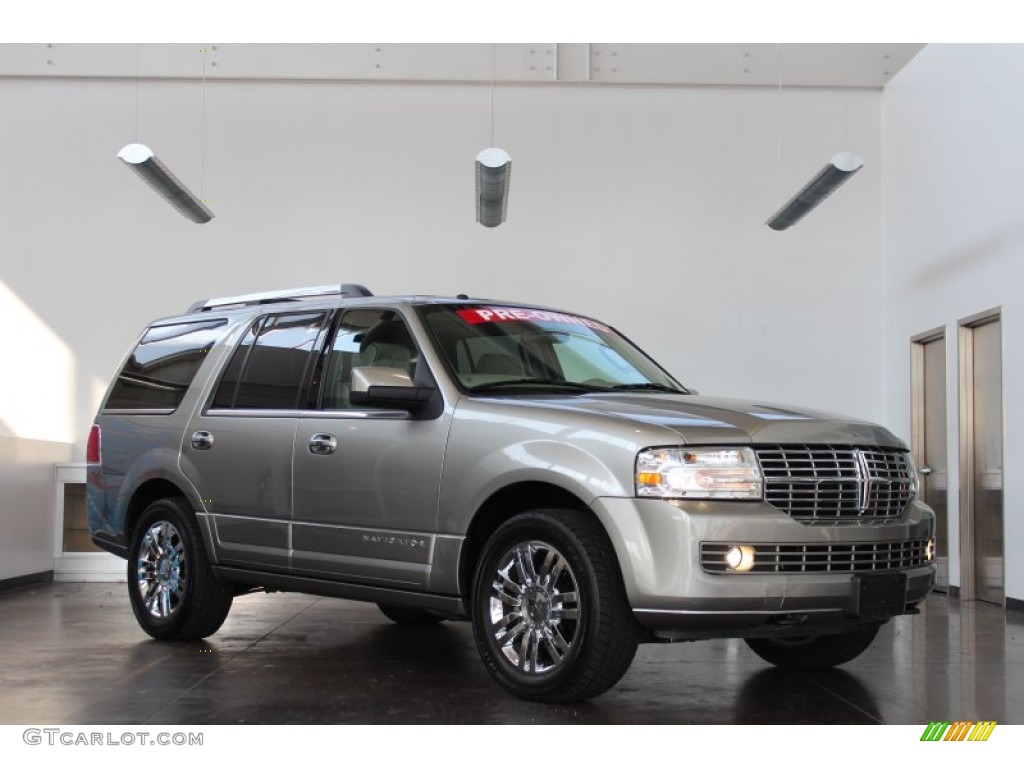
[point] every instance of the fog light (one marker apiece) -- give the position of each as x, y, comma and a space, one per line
740, 558
929, 550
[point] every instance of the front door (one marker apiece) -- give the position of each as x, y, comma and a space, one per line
367, 480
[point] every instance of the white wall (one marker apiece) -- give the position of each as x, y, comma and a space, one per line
954, 239
644, 206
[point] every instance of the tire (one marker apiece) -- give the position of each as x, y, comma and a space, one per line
814, 651
173, 591
536, 640
400, 614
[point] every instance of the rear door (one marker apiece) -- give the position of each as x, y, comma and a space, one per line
237, 451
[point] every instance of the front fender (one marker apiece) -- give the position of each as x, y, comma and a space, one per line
568, 467
495, 443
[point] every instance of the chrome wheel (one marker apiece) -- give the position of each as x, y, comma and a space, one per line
161, 570
534, 607
550, 615
174, 592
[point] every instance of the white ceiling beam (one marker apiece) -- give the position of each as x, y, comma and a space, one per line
850, 65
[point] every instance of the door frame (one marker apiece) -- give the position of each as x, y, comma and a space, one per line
965, 373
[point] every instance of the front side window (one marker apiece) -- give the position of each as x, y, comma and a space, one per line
163, 365
270, 366
505, 348
374, 338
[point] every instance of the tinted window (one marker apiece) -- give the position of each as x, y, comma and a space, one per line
162, 366
228, 387
269, 368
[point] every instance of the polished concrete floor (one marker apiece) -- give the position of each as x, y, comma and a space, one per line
72, 654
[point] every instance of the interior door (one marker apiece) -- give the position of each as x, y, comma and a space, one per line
987, 507
929, 439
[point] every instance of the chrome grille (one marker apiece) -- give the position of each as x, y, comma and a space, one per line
820, 558
836, 483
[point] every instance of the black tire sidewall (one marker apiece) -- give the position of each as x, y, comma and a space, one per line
545, 526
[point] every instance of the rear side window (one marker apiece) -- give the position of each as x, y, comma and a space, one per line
162, 366
270, 366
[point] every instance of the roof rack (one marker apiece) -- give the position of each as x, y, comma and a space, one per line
346, 290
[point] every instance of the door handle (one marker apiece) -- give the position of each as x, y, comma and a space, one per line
322, 444
202, 440
925, 471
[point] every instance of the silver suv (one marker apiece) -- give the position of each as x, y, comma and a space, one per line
530, 470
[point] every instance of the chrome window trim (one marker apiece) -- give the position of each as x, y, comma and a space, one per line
278, 413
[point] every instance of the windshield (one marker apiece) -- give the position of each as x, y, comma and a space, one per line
491, 348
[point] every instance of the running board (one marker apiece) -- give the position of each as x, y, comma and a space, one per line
449, 606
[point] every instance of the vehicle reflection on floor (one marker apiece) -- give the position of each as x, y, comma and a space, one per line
72, 653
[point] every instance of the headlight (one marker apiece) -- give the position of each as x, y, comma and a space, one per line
698, 473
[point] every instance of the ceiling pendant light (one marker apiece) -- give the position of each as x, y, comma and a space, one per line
839, 169
493, 173
831, 177
141, 159
145, 163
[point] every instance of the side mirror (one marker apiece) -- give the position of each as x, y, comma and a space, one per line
387, 388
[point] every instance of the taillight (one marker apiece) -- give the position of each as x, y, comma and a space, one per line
92, 448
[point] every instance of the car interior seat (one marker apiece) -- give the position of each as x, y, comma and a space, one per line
387, 344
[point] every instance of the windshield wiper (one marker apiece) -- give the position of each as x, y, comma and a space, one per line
524, 383
651, 386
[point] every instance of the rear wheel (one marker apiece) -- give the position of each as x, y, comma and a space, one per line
814, 651
550, 613
401, 614
173, 591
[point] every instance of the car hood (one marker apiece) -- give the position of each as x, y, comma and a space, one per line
697, 419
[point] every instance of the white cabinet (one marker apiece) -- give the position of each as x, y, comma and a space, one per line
75, 557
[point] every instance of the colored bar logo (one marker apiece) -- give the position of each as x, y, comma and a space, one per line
958, 731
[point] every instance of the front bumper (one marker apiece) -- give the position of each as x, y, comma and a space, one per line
658, 547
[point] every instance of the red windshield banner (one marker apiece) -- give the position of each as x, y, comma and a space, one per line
511, 314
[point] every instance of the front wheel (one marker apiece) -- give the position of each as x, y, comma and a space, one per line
550, 614
173, 591
814, 651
